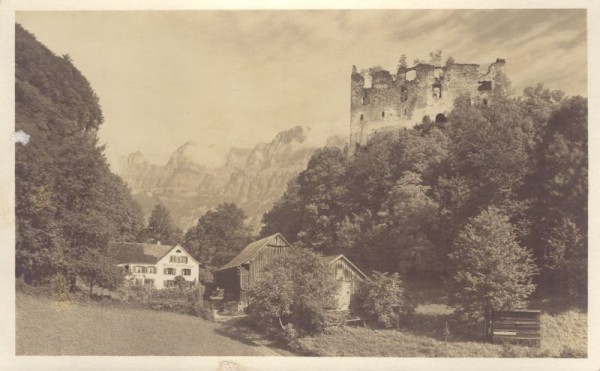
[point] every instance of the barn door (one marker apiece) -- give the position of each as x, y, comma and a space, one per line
244, 284
344, 295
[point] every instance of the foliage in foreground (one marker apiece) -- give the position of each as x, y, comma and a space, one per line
186, 300
297, 288
98, 269
59, 287
491, 271
383, 300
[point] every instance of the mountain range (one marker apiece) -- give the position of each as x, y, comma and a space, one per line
252, 178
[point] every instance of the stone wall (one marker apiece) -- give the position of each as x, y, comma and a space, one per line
401, 101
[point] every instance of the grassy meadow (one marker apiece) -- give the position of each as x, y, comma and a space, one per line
48, 327
563, 335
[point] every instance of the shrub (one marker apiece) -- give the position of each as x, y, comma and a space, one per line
135, 294
297, 287
187, 300
60, 287
96, 268
383, 300
40, 290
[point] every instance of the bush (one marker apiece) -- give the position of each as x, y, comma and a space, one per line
96, 268
297, 287
383, 300
40, 290
59, 287
181, 300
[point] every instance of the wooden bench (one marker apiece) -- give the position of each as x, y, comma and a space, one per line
355, 321
516, 326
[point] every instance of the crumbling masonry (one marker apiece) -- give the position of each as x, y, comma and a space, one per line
403, 100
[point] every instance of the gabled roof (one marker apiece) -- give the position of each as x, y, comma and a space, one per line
130, 252
251, 251
330, 259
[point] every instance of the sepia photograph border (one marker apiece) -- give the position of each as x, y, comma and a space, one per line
8, 360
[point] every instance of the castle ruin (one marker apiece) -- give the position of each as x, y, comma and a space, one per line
402, 100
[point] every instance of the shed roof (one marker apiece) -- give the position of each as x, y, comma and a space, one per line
130, 252
251, 251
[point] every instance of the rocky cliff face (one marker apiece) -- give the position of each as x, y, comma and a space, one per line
252, 178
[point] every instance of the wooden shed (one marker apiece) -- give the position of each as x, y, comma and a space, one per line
236, 276
520, 326
349, 278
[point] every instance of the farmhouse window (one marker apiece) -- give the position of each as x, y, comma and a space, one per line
178, 259
150, 269
186, 272
170, 271
139, 269
148, 282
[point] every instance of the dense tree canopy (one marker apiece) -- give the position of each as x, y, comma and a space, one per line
161, 227
68, 202
401, 201
219, 235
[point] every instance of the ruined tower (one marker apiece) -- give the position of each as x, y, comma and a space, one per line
402, 100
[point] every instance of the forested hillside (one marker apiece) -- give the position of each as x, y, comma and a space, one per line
68, 203
514, 170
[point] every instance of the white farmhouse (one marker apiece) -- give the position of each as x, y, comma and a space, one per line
155, 264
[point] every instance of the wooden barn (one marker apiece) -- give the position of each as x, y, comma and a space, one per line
236, 276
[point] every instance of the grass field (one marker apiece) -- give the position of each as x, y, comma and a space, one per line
47, 327
563, 335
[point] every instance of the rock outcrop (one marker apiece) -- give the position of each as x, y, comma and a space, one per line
252, 178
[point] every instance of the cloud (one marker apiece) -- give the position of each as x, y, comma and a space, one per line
236, 78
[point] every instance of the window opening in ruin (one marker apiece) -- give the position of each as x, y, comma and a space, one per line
440, 118
485, 86
411, 75
365, 100
485, 102
383, 114
437, 90
403, 94
362, 117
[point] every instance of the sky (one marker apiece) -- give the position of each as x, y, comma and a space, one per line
237, 78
